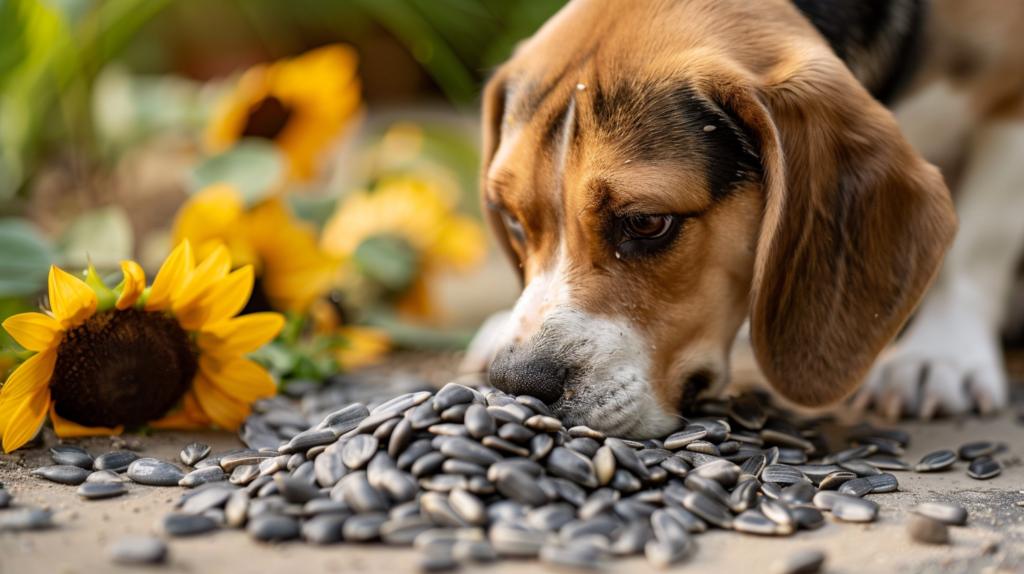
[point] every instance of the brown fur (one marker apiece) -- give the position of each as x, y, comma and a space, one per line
828, 247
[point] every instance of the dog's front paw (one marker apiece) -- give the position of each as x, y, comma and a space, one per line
948, 362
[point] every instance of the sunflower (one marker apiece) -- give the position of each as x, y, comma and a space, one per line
106, 359
413, 213
293, 271
300, 104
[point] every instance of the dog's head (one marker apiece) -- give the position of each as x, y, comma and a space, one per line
659, 170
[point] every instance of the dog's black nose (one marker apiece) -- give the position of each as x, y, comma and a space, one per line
524, 373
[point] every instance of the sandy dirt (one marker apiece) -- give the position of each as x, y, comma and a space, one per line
993, 541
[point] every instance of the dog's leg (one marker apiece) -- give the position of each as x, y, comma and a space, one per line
950, 359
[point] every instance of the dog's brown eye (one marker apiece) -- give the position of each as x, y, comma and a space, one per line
647, 226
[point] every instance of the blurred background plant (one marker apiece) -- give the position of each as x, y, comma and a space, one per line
331, 144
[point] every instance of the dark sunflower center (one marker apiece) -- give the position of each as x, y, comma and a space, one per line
123, 367
267, 119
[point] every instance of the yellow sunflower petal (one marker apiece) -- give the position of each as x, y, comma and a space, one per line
71, 300
169, 279
26, 420
68, 429
190, 417
228, 296
34, 331
30, 377
187, 303
239, 378
134, 284
222, 409
240, 335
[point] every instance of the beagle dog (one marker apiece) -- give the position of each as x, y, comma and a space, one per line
661, 170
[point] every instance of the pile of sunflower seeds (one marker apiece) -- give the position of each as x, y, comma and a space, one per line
471, 474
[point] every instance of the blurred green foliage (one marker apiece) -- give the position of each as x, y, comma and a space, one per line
51, 52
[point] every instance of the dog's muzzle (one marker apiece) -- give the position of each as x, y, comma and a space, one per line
539, 373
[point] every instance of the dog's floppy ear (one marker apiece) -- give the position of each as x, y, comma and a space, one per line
856, 225
493, 117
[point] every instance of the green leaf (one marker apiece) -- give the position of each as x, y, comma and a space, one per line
253, 167
25, 259
388, 260
103, 234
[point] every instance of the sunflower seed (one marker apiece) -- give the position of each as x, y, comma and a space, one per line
627, 458
543, 423
836, 479
116, 461
323, 528
521, 487
319, 506
363, 527
479, 423
137, 551
860, 468
344, 420
515, 432
884, 446
984, 468
468, 507
852, 509
71, 455
707, 509
784, 439
535, 404
850, 454
570, 491
423, 416
782, 474
411, 508
202, 476
703, 446
153, 472
674, 465
883, 483
662, 554
401, 437
98, 490
244, 474
753, 466
513, 541
567, 464
771, 490
630, 510
466, 449
939, 460
632, 539
625, 482
604, 465
328, 469
401, 403
723, 472
194, 453
585, 432
357, 452
105, 476
503, 445
550, 518
403, 531
63, 474
804, 562
779, 513
599, 502
928, 530
505, 511
946, 512
359, 495
473, 551
540, 446
232, 461
576, 529
684, 437
185, 524
808, 517
753, 521
799, 493
295, 461
273, 527
744, 496
306, 440
413, 453
857, 487
480, 485
887, 463
971, 450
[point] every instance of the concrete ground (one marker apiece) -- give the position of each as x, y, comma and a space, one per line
993, 540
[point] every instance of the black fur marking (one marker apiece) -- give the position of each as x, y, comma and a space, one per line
883, 36
658, 121
695, 384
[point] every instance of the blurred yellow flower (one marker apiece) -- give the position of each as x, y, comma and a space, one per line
284, 251
301, 104
93, 370
416, 211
